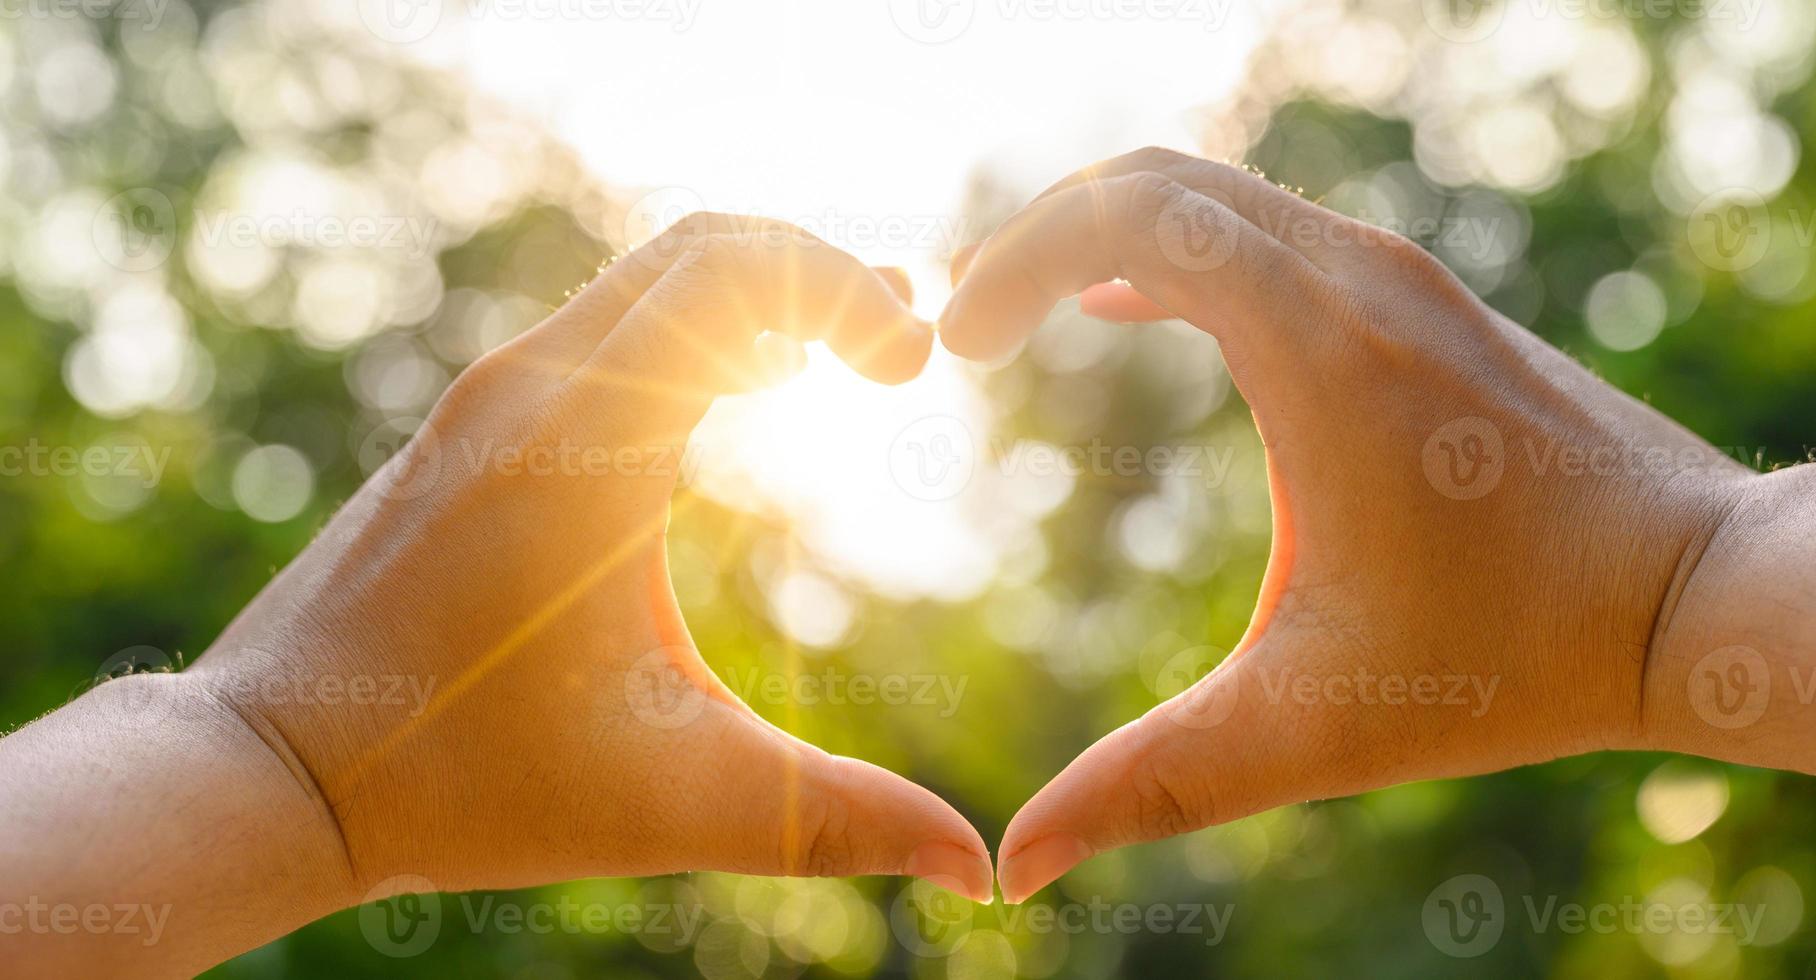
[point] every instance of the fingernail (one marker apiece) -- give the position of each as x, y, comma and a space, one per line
952, 315
1036, 866
954, 868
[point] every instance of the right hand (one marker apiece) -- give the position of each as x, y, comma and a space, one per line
1433, 521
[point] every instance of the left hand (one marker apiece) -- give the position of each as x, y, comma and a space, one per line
536, 600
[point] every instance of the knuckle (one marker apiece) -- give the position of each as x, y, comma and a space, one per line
717, 257
472, 385
821, 844
1401, 269
1167, 801
699, 223
1150, 195
1152, 157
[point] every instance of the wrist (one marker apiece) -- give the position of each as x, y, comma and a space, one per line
320, 866
1731, 673
201, 828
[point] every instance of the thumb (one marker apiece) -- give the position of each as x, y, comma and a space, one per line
1223, 749
793, 809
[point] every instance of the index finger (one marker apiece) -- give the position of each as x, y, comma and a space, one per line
1191, 254
692, 335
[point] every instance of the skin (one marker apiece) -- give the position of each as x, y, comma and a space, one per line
1429, 525
1454, 501
570, 728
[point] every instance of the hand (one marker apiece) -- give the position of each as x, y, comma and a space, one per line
477, 676
1482, 555
530, 588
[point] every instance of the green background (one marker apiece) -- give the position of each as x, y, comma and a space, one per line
93, 567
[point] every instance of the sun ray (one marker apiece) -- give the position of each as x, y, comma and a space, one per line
514, 641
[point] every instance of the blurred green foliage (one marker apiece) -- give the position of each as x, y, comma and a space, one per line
1049, 661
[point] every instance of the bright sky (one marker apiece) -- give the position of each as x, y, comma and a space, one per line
843, 117
803, 108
